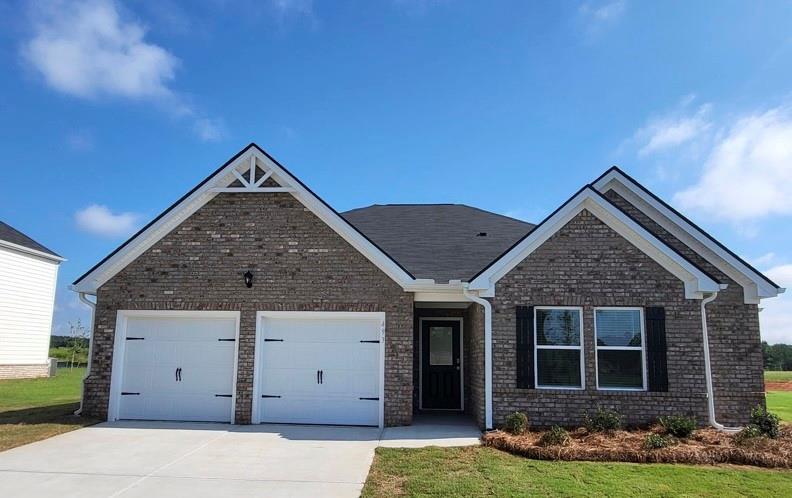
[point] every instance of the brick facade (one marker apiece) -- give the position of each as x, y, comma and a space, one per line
24, 371
299, 264
733, 327
587, 264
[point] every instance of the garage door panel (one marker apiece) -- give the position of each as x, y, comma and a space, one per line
170, 343
303, 410
345, 349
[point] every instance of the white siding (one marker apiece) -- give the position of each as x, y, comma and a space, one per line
27, 298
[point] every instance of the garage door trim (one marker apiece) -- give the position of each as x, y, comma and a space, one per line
119, 346
317, 315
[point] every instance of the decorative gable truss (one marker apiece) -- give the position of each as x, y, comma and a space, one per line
696, 281
250, 171
755, 285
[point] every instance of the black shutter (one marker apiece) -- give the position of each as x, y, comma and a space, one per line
656, 370
525, 336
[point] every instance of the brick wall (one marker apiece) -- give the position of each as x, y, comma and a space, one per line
474, 363
299, 264
24, 371
733, 327
587, 264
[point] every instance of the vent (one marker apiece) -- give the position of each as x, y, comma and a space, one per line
481, 234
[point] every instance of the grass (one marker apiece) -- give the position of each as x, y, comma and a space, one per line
35, 409
480, 471
778, 376
780, 403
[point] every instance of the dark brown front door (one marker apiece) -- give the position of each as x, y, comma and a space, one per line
441, 365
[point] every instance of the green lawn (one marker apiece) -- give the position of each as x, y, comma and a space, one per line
35, 409
480, 471
780, 403
779, 376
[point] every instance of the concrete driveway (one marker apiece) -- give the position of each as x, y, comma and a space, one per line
151, 459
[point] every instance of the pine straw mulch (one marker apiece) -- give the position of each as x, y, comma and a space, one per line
705, 446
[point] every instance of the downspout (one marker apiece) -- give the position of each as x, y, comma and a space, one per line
487, 354
92, 305
708, 368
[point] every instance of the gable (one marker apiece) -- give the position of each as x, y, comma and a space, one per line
234, 177
756, 286
696, 281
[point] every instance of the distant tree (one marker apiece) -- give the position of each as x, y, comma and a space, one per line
78, 342
777, 356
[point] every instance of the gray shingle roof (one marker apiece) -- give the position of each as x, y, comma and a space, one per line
439, 241
11, 234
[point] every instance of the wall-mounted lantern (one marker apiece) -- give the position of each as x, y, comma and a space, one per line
248, 279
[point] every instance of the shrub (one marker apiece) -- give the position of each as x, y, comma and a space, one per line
657, 441
766, 422
604, 420
556, 436
749, 433
678, 425
516, 423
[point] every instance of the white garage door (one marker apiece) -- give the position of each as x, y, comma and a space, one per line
320, 368
178, 368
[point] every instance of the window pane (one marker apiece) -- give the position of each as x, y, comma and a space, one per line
618, 328
558, 327
558, 367
620, 369
441, 346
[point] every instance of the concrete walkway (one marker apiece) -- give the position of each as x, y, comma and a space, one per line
152, 459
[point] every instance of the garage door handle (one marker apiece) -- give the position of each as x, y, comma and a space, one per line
317, 376
178, 374
321, 376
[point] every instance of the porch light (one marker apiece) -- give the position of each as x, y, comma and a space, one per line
248, 279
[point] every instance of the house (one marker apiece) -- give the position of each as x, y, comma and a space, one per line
28, 275
251, 300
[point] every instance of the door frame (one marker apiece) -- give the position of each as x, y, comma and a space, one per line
119, 350
255, 414
461, 362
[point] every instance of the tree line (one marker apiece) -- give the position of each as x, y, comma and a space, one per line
777, 356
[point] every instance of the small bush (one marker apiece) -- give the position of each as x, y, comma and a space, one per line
516, 423
556, 436
678, 425
604, 420
766, 422
748, 434
657, 441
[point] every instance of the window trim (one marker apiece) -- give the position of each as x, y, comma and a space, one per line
597, 348
580, 347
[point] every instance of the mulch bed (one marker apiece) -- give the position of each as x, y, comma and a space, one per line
705, 446
778, 385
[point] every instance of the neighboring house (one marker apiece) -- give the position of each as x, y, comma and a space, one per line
251, 300
28, 275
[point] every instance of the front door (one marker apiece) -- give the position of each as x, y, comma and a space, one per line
441, 367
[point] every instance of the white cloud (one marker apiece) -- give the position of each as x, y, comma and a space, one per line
776, 317
597, 16
748, 172
99, 220
209, 130
92, 48
679, 126
764, 259
84, 48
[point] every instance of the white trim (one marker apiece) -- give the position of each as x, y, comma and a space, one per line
581, 348
754, 285
461, 361
255, 414
206, 192
32, 252
119, 347
696, 282
621, 348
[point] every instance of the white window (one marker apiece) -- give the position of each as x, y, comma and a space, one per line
558, 351
620, 348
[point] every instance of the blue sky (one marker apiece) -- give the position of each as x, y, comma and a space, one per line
110, 111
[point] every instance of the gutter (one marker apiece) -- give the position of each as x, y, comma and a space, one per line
487, 353
92, 305
708, 368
